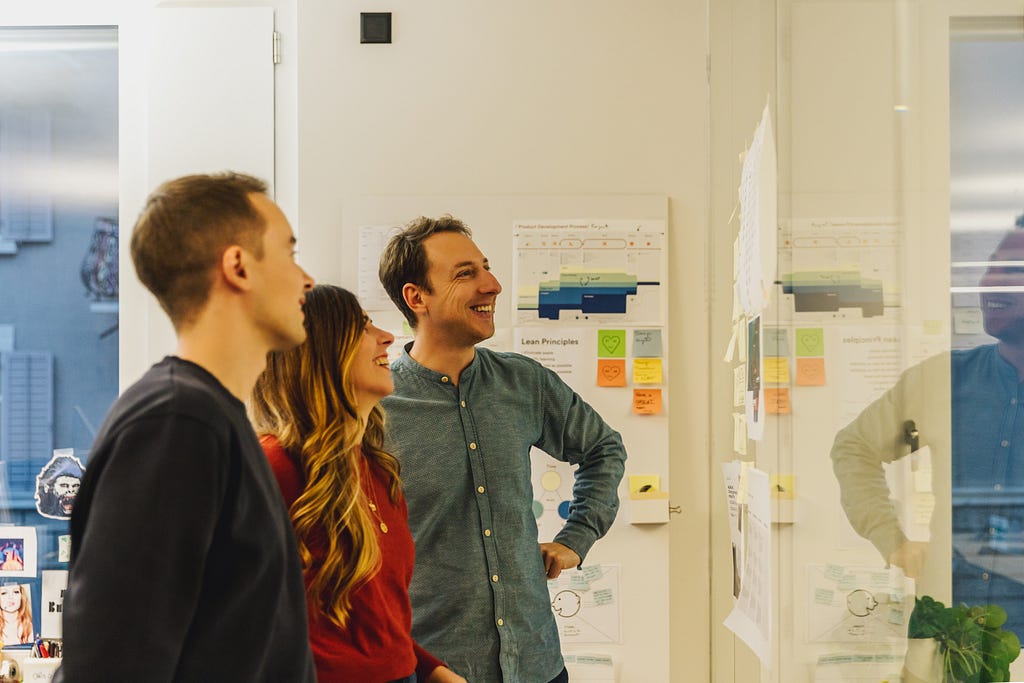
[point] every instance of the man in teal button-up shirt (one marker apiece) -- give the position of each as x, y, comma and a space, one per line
462, 421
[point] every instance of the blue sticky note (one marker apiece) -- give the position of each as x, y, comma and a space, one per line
776, 341
647, 343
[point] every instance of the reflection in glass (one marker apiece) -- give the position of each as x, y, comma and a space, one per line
58, 259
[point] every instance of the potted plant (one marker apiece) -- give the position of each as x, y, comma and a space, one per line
972, 645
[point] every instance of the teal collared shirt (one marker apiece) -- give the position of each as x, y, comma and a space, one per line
479, 590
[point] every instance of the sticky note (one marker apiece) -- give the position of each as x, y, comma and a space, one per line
64, 548
847, 582
647, 371
776, 341
647, 401
810, 341
776, 370
739, 385
968, 320
783, 486
578, 581
739, 433
810, 372
776, 401
592, 573
647, 343
878, 580
611, 373
823, 596
604, 596
611, 343
834, 571
895, 615
638, 481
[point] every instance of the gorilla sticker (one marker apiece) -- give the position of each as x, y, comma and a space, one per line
58, 483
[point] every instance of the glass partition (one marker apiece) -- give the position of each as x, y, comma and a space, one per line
881, 396
59, 312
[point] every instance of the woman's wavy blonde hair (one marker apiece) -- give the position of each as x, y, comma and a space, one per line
305, 398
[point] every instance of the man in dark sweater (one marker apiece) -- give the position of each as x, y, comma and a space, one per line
183, 565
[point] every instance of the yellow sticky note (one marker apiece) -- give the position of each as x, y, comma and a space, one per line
647, 401
638, 481
611, 372
783, 486
810, 372
776, 370
776, 401
647, 371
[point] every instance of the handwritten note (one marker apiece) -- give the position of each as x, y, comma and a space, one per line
611, 343
647, 401
810, 372
647, 343
611, 372
776, 370
739, 385
810, 341
647, 370
776, 341
777, 401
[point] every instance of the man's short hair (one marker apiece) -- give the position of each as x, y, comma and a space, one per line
182, 233
405, 260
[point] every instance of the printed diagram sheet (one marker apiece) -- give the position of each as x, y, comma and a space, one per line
372, 240
858, 604
590, 272
586, 604
845, 267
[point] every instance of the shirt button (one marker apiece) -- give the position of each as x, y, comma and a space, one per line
1004, 443
445, 379
479, 489
1013, 401
984, 576
487, 532
462, 403
472, 445
997, 487
501, 622
494, 578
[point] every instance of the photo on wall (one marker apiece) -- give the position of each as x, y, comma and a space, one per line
17, 552
16, 625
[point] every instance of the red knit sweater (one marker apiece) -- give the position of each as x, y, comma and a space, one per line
376, 645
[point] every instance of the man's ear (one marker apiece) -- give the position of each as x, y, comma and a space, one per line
413, 297
233, 267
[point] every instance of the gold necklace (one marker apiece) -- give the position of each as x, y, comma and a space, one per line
373, 509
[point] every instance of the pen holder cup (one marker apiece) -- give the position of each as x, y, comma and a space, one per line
39, 670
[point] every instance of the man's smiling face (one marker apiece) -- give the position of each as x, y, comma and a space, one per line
460, 303
1003, 311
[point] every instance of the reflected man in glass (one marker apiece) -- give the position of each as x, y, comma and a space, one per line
968, 406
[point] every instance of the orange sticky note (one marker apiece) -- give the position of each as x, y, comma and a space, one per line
776, 401
611, 372
647, 401
810, 372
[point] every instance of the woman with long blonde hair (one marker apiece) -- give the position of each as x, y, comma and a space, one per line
316, 410
15, 614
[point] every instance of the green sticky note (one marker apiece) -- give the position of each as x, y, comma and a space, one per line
611, 343
810, 341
